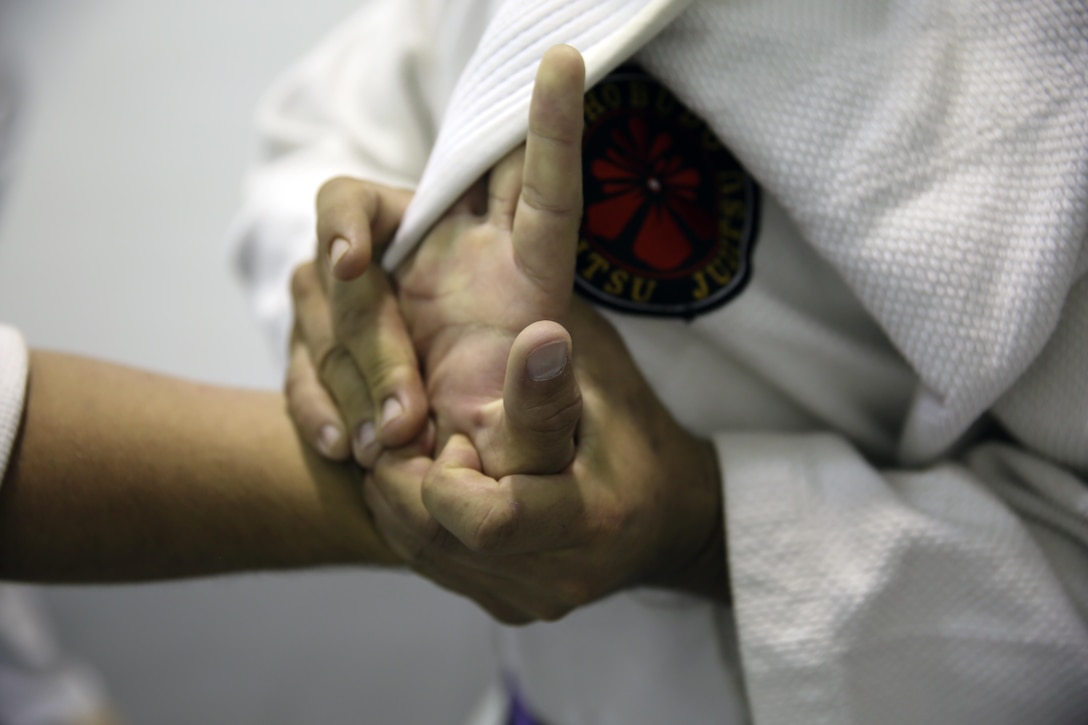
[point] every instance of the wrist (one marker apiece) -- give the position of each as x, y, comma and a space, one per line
701, 569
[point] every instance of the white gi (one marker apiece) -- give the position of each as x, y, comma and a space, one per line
900, 396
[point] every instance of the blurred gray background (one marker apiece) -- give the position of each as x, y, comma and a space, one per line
133, 133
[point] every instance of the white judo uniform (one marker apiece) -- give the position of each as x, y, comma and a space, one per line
899, 397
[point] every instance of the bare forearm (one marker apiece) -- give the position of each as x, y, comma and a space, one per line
121, 475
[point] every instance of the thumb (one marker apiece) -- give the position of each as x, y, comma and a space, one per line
542, 405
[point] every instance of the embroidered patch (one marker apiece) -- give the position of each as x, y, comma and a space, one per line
670, 216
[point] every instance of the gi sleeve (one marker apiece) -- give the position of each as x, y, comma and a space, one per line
13, 376
364, 103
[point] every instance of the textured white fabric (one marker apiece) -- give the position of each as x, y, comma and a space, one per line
312, 131
919, 276
924, 149
487, 114
13, 372
39, 683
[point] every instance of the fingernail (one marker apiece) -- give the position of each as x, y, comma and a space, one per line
327, 438
547, 362
366, 434
391, 409
365, 447
338, 249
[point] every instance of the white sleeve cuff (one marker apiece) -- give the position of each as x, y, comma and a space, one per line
13, 374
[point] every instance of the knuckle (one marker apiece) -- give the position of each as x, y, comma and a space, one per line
555, 137
331, 363
493, 531
337, 187
554, 416
386, 373
349, 320
347, 200
546, 203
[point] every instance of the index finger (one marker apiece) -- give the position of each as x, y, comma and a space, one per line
517, 514
355, 219
549, 211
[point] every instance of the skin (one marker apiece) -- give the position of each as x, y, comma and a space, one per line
122, 475
544, 494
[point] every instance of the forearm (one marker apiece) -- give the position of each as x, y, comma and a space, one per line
121, 475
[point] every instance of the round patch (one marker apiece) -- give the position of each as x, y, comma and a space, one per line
670, 216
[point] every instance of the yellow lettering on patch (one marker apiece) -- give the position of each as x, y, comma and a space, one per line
616, 282
727, 231
721, 271
593, 106
643, 289
730, 182
612, 96
664, 103
597, 263
702, 289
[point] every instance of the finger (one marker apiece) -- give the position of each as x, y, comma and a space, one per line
515, 515
474, 201
542, 406
392, 494
368, 324
333, 364
504, 188
496, 583
310, 407
550, 208
355, 222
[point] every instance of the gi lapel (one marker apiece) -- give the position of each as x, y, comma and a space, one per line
488, 112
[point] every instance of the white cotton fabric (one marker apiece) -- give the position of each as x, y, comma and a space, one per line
40, 684
13, 374
926, 150
898, 397
487, 114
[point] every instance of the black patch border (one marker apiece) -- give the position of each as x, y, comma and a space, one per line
745, 247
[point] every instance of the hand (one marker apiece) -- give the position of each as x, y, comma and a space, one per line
352, 367
639, 505
635, 499
349, 349
501, 259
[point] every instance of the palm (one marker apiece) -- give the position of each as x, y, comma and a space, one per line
465, 299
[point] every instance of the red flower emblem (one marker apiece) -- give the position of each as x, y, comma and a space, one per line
644, 173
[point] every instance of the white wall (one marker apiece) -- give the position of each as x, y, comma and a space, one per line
135, 131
